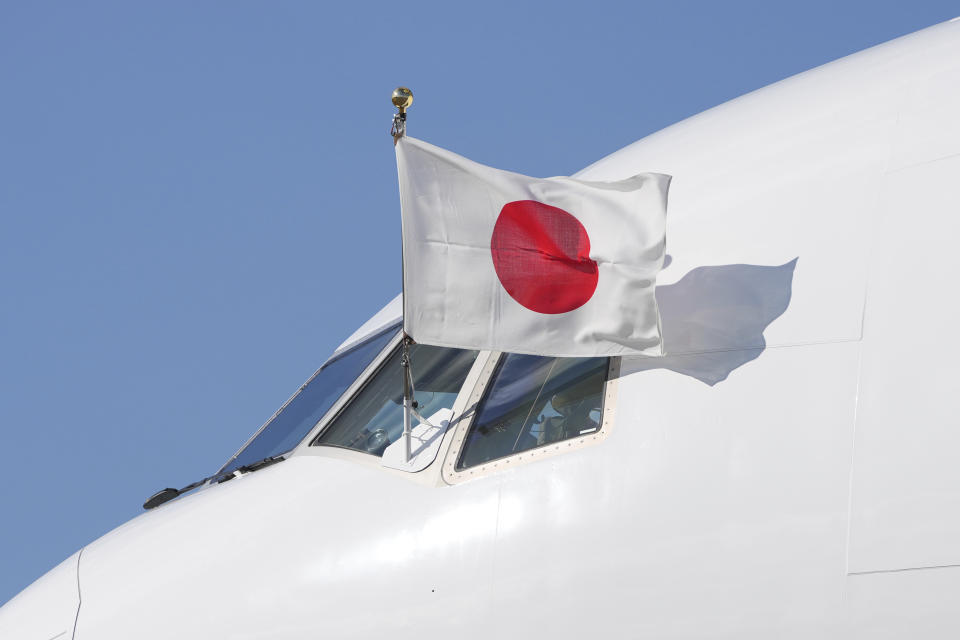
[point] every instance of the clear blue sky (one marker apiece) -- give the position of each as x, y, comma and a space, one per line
198, 199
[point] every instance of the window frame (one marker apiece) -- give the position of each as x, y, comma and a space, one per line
363, 375
429, 475
450, 473
306, 445
368, 377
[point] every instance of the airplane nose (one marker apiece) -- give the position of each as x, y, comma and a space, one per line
47, 609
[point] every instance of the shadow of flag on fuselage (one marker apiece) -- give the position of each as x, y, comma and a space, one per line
714, 317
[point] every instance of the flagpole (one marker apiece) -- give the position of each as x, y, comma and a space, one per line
407, 400
402, 98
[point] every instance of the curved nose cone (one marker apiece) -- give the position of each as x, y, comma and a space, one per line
311, 547
47, 609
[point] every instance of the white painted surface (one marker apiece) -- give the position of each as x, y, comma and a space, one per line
724, 516
906, 475
47, 608
744, 476
388, 316
926, 126
309, 547
790, 171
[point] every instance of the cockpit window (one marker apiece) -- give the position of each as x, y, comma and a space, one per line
374, 418
534, 401
294, 420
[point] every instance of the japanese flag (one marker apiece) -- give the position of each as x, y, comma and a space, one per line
555, 266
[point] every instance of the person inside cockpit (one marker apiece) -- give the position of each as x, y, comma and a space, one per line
533, 401
574, 404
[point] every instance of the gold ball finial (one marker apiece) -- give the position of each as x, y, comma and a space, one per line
402, 98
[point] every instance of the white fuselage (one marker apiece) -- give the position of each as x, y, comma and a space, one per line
787, 470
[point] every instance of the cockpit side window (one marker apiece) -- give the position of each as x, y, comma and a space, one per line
373, 419
534, 401
291, 424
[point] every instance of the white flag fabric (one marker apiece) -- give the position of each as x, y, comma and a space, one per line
556, 266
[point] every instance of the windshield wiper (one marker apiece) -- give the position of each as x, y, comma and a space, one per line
165, 495
253, 466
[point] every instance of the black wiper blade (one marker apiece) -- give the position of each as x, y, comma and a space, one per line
253, 466
168, 494
164, 495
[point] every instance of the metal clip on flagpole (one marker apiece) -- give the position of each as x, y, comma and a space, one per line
402, 99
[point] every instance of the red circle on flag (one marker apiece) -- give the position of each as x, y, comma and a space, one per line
542, 257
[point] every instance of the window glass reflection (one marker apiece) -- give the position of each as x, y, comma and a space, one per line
295, 420
534, 401
374, 418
